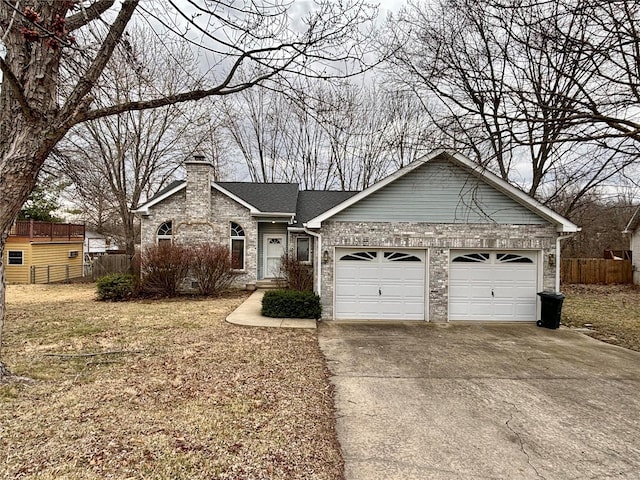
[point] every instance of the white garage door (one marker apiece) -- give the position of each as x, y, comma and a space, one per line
485, 285
380, 284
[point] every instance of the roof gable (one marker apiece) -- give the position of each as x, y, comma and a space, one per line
258, 198
166, 192
427, 191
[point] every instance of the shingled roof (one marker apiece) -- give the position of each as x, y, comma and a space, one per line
312, 203
266, 197
284, 198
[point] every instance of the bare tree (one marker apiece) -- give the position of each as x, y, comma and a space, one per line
252, 120
504, 81
126, 158
55, 54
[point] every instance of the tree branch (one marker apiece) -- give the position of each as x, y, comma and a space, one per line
88, 80
18, 90
83, 355
88, 14
221, 89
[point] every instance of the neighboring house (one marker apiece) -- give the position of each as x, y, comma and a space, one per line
43, 252
441, 239
633, 229
95, 244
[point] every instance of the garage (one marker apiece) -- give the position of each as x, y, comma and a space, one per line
493, 285
380, 284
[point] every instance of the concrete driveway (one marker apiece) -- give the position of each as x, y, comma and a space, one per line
441, 401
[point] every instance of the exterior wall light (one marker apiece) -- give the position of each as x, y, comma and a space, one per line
325, 256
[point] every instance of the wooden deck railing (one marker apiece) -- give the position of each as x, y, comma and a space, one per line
51, 231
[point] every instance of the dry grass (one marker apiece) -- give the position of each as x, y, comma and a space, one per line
610, 312
189, 397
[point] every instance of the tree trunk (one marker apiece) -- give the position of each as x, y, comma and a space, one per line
20, 161
4, 371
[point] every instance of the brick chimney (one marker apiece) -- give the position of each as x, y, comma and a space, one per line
199, 178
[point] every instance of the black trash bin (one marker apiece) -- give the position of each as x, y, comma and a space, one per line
551, 309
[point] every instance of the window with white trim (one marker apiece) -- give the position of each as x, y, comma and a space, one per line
237, 246
15, 257
164, 235
303, 249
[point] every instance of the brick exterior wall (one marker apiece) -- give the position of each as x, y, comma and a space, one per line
438, 239
190, 227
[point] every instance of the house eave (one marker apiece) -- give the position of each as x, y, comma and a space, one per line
286, 215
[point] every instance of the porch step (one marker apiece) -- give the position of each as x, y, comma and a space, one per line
270, 283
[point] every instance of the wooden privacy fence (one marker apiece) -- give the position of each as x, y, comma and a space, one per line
595, 270
106, 264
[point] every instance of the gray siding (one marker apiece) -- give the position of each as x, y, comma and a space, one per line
439, 192
267, 228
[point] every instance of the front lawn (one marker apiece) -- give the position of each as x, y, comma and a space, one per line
159, 389
611, 313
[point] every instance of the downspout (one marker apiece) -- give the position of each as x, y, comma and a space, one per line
318, 236
558, 239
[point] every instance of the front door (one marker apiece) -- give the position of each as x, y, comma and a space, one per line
274, 248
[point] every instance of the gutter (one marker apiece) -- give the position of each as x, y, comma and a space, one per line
318, 236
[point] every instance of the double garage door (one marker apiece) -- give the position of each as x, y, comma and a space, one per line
390, 284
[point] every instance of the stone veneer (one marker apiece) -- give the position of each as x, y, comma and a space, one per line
190, 227
438, 239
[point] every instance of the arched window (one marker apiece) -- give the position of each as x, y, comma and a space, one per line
165, 233
237, 246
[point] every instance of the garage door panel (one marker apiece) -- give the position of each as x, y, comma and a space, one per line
403, 291
358, 308
524, 309
494, 286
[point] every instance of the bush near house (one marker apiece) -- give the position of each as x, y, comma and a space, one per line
297, 275
163, 268
115, 286
291, 304
211, 266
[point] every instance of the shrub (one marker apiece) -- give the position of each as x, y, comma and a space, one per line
291, 304
297, 275
115, 286
211, 267
163, 268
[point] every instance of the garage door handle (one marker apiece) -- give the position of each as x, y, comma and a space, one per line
379, 292
492, 294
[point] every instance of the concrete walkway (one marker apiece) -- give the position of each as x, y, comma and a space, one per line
248, 313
